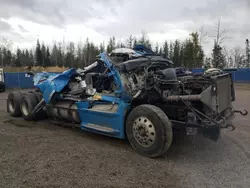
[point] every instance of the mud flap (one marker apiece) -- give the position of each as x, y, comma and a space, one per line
212, 133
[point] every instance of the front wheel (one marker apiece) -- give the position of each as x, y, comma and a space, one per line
149, 130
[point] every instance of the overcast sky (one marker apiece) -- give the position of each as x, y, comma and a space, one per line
23, 21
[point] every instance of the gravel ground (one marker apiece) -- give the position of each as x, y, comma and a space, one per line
44, 155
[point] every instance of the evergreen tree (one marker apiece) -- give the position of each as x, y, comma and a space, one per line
54, 57
182, 55
111, 44
196, 49
18, 58
201, 57
43, 52
176, 54
157, 48
86, 52
47, 58
70, 55
198, 54
60, 55
144, 40
165, 49
79, 56
218, 59
247, 54
207, 63
31, 55
102, 47
135, 42
171, 50
160, 52
38, 54
188, 54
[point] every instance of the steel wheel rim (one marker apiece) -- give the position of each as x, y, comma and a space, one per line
11, 105
144, 131
25, 108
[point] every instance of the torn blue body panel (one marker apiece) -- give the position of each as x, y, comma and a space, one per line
51, 83
120, 91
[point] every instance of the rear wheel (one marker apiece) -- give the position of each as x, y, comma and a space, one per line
28, 103
13, 104
149, 130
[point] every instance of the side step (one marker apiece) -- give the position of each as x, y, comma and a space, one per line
99, 129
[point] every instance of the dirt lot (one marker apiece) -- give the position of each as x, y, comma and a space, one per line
44, 155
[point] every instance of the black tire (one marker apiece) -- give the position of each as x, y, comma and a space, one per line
39, 96
162, 126
2, 89
13, 104
28, 103
2, 86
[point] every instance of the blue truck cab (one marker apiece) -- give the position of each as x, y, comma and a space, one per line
141, 98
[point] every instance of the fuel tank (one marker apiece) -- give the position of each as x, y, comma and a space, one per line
63, 110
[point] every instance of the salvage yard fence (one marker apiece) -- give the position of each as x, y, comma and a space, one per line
22, 81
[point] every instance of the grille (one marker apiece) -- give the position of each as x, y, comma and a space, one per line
224, 95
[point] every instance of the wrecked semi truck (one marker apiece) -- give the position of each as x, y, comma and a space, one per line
140, 97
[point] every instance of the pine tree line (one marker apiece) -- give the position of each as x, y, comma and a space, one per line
188, 53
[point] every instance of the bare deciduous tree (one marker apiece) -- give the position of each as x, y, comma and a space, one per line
203, 35
5, 43
221, 34
238, 57
227, 56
